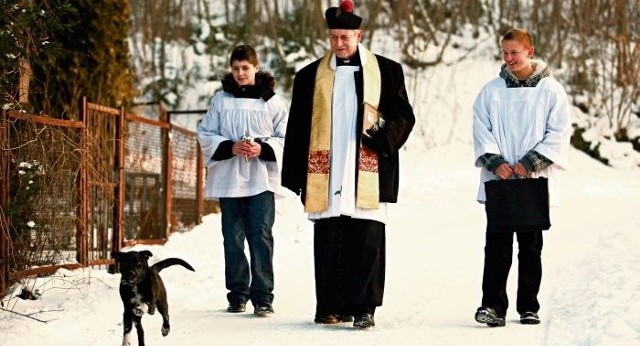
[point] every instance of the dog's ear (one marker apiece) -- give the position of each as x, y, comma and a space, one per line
115, 255
146, 253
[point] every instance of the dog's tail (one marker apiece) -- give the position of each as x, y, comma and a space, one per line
168, 262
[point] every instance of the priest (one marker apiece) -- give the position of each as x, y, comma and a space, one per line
348, 119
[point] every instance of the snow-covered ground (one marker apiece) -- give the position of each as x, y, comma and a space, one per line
590, 290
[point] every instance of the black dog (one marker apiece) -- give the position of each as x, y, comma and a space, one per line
142, 290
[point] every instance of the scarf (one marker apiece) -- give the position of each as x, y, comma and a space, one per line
367, 191
264, 86
540, 70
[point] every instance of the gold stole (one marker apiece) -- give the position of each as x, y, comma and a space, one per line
317, 197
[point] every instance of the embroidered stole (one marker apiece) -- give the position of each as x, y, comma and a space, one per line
367, 191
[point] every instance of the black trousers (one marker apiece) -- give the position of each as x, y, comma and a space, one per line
349, 257
498, 254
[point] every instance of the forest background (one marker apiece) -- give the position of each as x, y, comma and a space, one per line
123, 53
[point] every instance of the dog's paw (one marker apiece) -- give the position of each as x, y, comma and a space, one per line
165, 331
126, 340
140, 310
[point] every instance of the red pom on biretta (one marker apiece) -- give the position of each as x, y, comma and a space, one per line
346, 6
342, 17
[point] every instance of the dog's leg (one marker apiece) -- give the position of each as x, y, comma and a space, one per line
127, 324
126, 340
140, 309
152, 308
139, 306
137, 320
163, 309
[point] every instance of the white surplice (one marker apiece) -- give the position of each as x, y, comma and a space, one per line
344, 148
512, 121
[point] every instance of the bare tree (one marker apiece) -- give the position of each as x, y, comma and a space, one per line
592, 44
426, 28
603, 53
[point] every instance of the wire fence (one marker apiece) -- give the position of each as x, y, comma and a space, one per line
74, 191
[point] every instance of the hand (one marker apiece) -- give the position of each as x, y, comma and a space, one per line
519, 170
376, 143
504, 171
247, 149
371, 132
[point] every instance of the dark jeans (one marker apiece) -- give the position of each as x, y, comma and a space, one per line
497, 263
349, 256
249, 218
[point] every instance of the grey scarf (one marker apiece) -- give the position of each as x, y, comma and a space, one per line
540, 70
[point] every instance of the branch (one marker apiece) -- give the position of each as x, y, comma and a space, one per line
31, 317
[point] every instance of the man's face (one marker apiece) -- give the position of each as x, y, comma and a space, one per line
344, 42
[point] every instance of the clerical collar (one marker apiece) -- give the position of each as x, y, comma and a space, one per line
353, 61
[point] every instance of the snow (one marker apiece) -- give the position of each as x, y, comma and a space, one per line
590, 290
435, 237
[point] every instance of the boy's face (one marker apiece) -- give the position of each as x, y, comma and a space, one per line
516, 56
244, 72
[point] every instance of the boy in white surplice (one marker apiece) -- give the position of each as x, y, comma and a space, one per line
521, 128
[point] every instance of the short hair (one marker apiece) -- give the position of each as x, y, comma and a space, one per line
520, 35
244, 52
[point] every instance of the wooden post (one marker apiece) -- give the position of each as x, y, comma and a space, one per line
25, 77
82, 236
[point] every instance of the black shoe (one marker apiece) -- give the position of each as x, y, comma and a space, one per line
263, 309
333, 319
490, 317
364, 320
237, 306
346, 318
529, 318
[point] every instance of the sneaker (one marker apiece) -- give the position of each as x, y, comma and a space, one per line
529, 318
237, 306
364, 320
263, 309
490, 317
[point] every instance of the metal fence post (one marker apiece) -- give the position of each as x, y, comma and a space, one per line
5, 156
118, 208
199, 183
82, 236
168, 172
